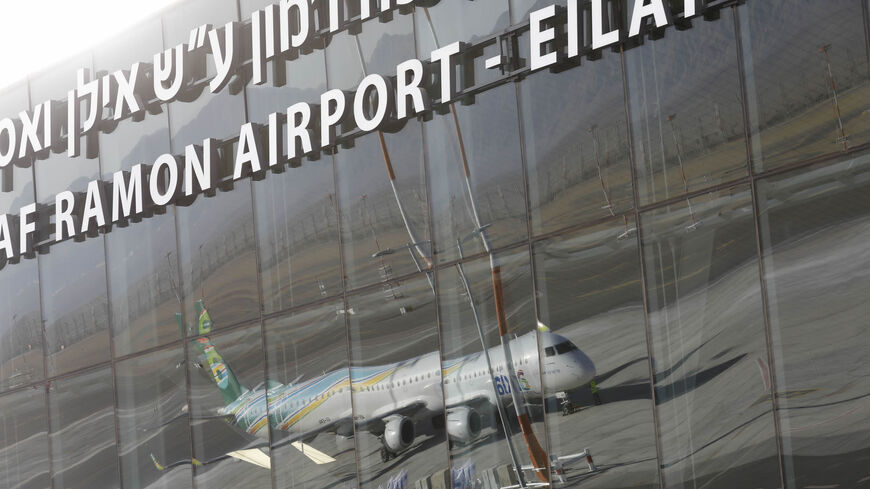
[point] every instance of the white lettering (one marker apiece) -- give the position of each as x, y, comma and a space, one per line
248, 150
298, 136
94, 209
383, 103
169, 178
26, 228
601, 39
64, 224
442, 56
334, 6
301, 21
330, 118
656, 8
276, 152
126, 95
538, 37
8, 139
125, 192
200, 172
169, 66
30, 131
573, 28
224, 54
409, 76
6, 238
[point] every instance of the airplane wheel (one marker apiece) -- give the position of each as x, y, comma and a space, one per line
566, 410
385, 455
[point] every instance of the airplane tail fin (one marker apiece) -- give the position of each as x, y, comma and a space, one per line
203, 320
230, 387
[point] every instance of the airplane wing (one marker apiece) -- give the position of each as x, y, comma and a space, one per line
253, 456
375, 421
256, 456
470, 399
184, 414
312, 453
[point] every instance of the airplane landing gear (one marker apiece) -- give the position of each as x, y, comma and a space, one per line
386, 455
567, 407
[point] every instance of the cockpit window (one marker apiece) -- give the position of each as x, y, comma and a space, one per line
549, 351
565, 347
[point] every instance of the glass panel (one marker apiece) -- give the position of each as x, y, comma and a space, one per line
83, 451
471, 389
228, 409
493, 170
383, 219
16, 181
807, 78
520, 9
688, 138
815, 225
709, 355
218, 259
20, 322
24, 440
297, 224
215, 234
448, 22
144, 284
74, 305
312, 440
383, 46
21, 360
153, 421
590, 298
59, 172
296, 212
142, 258
397, 396
72, 274
576, 144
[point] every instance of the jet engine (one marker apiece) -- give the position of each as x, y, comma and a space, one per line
398, 433
463, 424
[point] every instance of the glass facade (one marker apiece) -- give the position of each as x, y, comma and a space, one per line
646, 269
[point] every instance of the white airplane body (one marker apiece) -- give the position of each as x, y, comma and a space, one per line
390, 399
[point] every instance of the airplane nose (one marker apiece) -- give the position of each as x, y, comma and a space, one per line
585, 367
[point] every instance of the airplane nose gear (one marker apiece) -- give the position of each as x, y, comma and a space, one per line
565, 403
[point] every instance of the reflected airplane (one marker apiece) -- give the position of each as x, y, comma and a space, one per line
390, 399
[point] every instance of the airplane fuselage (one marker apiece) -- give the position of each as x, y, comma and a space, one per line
381, 390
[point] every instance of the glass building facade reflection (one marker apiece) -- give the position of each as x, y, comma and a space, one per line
669, 240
